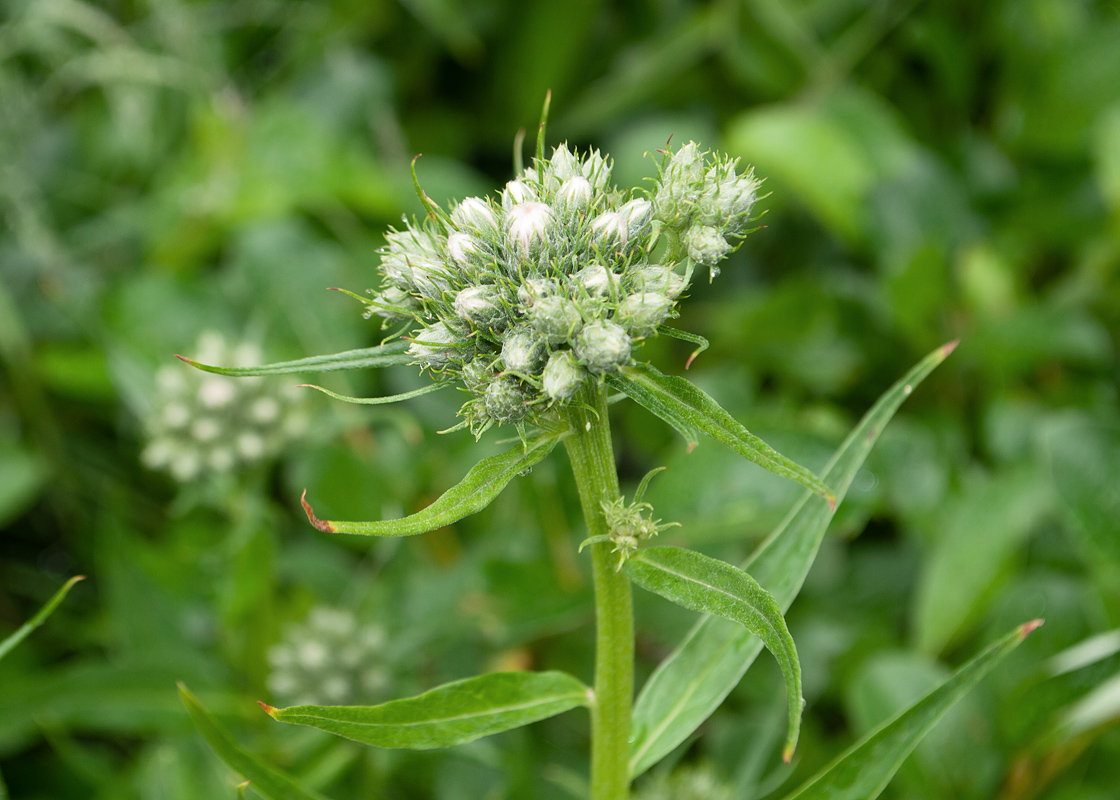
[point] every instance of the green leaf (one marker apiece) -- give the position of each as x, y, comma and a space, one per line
477, 490
701, 343
864, 770
691, 683
686, 408
272, 784
710, 586
40, 617
377, 401
385, 355
455, 713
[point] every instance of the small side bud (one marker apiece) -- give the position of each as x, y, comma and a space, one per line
433, 346
555, 319
505, 402
706, 246
562, 377
603, 346
641, 313
479, 305
523, 352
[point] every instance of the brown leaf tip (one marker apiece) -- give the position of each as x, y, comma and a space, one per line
691, 358
949, 347
787, 754
190, 361
267, 708
319, 524
831, 498
1027, 628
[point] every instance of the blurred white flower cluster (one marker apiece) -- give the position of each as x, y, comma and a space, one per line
525, 296
203, 424
329, 659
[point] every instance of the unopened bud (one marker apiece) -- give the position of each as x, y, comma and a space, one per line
638, 215
705, 245
641, 313
477, 375
464, 249
505, 401
574, 196
562, 377
522, 352
609, 230
433, 346
657, 279
518, 192
476, 214
603, 346
596, 279
479, 305
555, 319
528, 224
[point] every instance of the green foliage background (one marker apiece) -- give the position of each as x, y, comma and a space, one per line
938, 169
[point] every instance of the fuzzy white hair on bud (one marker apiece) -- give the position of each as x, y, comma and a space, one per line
528, 225
523, 352
556, 319
706, 245
603, 346
596, 279
478, 304
574, 195
463, 248
518, 192
641, 313
476, 214
562, 377
433, 346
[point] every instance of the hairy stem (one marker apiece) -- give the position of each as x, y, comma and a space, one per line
592, 456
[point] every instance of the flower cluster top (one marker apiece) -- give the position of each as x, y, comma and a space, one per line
526, 296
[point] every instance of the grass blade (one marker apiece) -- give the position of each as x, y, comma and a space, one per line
270, 783
691, 683
482, 484
385, 355
452, 714
40, 617
682, 405
866, 768
710, 586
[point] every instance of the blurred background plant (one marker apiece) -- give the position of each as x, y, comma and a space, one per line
938, 170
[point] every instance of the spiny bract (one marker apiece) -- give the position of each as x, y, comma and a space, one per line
554, 282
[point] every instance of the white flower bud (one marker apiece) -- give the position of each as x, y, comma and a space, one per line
641, 313
476, 214
393, 303
705, 245
528, 224
603, 346
264, 410
433, 346
638, 214
574, 196
596, 279
597, 170
657, 279
682, 181
727, 199
216, 391
407, 252
563, 165
562, 376
464, 249
479, 305
522, 352
206, 429
505, 402
555, 319
250, 446
518, 192
535, 288
609, 230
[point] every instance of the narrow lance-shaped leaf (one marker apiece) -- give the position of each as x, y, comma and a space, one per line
270, 783
40, 617
378, 401
701, 343
685, 407
385, 355
710, 586
864, 771
691, 683
482, 484
455, 713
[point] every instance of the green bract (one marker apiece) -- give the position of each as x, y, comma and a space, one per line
523, 296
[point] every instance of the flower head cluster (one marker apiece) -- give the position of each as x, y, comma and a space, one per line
329, 659
526, 296
203, 423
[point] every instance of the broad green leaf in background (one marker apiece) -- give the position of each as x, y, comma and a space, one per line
40, 617
710, 586
989, 521
270, 783
687, 408
865, 770
482, 484
691, 683
452, 714
386, 355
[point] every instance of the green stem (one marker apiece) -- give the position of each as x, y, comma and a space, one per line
592, 457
